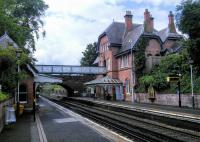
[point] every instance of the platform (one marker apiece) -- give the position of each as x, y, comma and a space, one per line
55, 123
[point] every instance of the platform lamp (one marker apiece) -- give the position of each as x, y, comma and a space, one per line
18, 54
191, 76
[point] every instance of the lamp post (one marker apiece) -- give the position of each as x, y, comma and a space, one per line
191, 62
18, 53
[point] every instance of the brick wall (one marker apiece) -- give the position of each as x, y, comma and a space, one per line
152, 49
167, 99
29, 84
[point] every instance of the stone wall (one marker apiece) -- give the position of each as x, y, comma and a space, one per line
167, 99
2, 112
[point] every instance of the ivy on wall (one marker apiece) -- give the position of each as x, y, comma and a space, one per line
140, 56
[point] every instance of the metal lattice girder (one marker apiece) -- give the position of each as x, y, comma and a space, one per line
65, 69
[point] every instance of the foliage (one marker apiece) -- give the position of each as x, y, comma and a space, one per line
172, 64
49, 88
89, 55
140, 55
146, 81
4, 96
22, 20
8, 74
188, 13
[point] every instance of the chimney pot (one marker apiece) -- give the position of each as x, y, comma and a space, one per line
128, 22
171, 24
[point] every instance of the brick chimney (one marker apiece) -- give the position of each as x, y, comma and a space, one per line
171, 24
128, 22
148, 22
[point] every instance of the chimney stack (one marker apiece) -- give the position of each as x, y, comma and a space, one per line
128, 22
148, 22
171, 24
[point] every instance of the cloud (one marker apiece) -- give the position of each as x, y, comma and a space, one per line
71, 25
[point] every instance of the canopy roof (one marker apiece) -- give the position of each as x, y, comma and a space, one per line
104, 81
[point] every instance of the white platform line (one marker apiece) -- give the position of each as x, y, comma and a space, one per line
41, 132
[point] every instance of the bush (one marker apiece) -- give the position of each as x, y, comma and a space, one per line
4, 96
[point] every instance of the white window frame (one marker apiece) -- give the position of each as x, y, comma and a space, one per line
127, 83
108, 64
124, 61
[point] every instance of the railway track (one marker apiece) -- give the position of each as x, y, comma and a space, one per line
135, 128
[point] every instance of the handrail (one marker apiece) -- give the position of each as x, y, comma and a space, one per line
67, 69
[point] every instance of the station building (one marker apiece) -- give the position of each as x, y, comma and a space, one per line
116, 48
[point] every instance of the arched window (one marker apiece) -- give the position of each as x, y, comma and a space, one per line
148, 55
23, 93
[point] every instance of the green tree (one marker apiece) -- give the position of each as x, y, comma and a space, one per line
188, 17
22, 20
8, 66
89, 55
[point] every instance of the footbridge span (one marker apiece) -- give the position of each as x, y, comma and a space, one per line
73, 77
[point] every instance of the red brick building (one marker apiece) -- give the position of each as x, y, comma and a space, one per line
116, 48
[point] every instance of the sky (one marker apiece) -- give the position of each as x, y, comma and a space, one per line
72, 24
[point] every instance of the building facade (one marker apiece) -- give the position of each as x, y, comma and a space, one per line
118, 44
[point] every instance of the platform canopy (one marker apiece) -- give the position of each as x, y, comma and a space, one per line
104, 81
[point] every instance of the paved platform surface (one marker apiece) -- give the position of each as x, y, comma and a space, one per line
25, 130
55, 123
62, 127
185, 111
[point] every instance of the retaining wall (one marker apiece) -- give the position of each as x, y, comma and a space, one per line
167, 99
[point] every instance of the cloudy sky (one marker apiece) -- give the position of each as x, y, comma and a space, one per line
72, 24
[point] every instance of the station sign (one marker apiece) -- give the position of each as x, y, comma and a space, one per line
173, 78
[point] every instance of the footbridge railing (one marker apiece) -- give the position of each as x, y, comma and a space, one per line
67, 69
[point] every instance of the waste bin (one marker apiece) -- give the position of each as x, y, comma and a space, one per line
10, 115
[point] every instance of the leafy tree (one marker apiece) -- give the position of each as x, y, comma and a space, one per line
89, 55
22, 20
188, 17
8, 73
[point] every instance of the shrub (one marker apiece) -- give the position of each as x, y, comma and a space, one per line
4, 96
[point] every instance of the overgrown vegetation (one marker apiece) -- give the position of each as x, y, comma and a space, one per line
4, 96
8, 68
188, 13
21, 19
188, 17
48, 89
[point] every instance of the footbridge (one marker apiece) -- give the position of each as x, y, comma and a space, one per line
67, 69
73, 77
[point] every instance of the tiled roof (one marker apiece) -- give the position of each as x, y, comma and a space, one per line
114, 32
131, 38
164, 34
5, 41
104, 81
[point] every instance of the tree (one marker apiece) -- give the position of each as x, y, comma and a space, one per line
8, 74
89, 55
188, 17
22, 20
